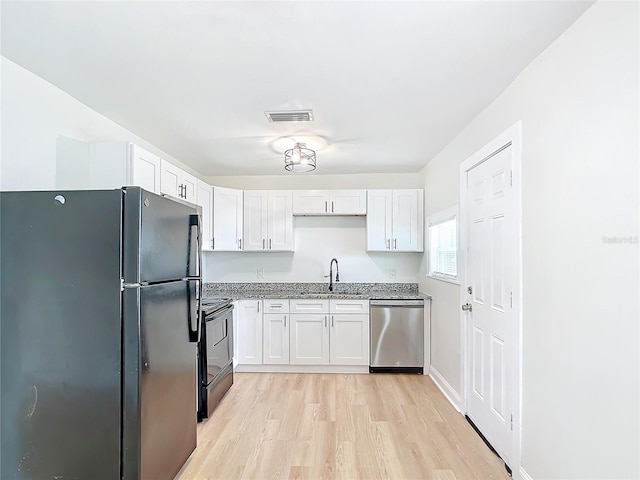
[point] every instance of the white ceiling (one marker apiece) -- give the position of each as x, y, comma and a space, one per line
390, 83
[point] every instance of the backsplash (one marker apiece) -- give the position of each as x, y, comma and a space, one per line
236, 289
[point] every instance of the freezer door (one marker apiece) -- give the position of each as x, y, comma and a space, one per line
60, 347
162, 238
160, 410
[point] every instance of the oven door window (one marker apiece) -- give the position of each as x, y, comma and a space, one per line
218, 345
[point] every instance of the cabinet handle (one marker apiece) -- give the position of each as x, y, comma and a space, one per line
331, 207
258, 306
269, 244
325, 321
326, 207
285, 321
263, 243
395, 243
213, 243
331, 321
239, 244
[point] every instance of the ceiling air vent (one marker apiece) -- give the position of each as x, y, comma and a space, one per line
290, 116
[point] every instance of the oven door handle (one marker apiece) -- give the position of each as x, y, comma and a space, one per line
217, 313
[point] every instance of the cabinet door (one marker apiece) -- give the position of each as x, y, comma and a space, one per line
309, 339
189, 187
227, 219
310, 202
205, 200
407, 220
379, 228
250, 332
255, 220
145, 169
348, 202
275, 348
280, 220
349, 339
170, 179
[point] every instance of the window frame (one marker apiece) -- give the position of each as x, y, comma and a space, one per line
437, 219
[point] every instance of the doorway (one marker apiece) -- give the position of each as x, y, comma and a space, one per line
491, 291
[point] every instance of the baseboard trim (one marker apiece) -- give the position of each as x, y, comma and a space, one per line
302, 368
524, 475
447, 390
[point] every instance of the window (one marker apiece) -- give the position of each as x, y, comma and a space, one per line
442, 248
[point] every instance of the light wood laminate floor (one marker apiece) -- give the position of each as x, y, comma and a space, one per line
334, 426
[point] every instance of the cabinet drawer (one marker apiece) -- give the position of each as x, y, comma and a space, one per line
276, 306
309, 305
349, 306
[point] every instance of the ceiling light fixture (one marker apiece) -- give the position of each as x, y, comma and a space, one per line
300, 159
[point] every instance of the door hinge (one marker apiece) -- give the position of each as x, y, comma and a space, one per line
512, 422
122, 284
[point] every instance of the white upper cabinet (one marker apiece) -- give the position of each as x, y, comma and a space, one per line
227, 219
329, 202
395, 220
268, 220
177, 183
205, 200
145, 169
105, 165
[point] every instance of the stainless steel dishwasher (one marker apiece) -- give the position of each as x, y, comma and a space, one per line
396, 336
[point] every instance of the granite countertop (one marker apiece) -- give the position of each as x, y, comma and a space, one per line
356, 291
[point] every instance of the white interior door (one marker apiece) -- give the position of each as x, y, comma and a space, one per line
491, 220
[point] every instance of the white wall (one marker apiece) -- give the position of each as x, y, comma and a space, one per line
34, 113
579, 106
317, 241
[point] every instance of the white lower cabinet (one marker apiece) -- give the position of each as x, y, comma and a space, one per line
309, 339
249, 331
349, 332
275, 333
303, 332
334, 332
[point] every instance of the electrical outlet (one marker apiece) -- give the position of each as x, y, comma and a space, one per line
260, 273
392, 272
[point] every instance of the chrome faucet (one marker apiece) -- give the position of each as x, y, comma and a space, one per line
331, 274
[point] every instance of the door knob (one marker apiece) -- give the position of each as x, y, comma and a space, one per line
466, 307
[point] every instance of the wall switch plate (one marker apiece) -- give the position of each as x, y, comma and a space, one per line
393, 272
260, 273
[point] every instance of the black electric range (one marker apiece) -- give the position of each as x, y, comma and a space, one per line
215, 354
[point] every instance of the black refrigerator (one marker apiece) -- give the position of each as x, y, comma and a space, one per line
99, 320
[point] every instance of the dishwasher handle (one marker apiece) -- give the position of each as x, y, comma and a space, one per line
397, 303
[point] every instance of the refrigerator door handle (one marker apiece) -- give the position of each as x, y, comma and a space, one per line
195, 333
194, 221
